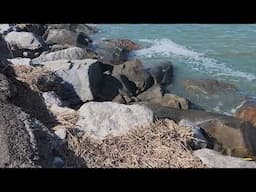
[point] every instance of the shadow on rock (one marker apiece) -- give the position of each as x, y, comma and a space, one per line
25, 141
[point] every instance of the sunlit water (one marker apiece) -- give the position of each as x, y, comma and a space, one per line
226, 52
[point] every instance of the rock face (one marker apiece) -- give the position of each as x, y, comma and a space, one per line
51, 98
67, 37
73, 53
124, 44
213, 159
179, 114
175, 101
201, 139
156, 95
81, 80
6, 88
110, 53
152, 93
208, 86
135, 72
85, 28
117, 88
6, 28
219, 127
162, 73
24, 42
24, 142
38, 29
61, 36
4, 49
242, 143
78, 28
247, 112
20, 61
102, 118
18, 152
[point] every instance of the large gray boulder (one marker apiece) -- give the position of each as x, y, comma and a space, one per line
100, 119
213, 159
136, 73
72, 53
67, 37
20, 61
6, 28
61, 36
5, 51
117, 88
111, 53
162, 73
23, 40
80, 80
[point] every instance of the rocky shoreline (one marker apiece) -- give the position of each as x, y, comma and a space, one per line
67, 101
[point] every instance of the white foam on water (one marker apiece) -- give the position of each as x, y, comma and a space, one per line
165, 48
233, 110
197, 61
217, 107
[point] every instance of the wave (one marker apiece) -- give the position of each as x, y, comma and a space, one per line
165, 48
198, 61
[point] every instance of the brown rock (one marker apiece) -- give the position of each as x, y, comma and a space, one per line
78, 28
162, 73
110, 53
124, 44
136, 73
156, 95
230, 135
247, 112
208, 86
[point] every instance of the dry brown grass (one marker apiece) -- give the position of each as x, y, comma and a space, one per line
29, 74
66, 120
163, 145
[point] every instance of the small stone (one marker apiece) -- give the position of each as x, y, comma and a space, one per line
201, 139
58, 162
25, 54
61, 133
51, 98
36, 54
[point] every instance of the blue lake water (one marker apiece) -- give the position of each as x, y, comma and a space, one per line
226, 52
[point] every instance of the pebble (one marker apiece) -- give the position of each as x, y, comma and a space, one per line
61, 133
25, 54
58, 162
